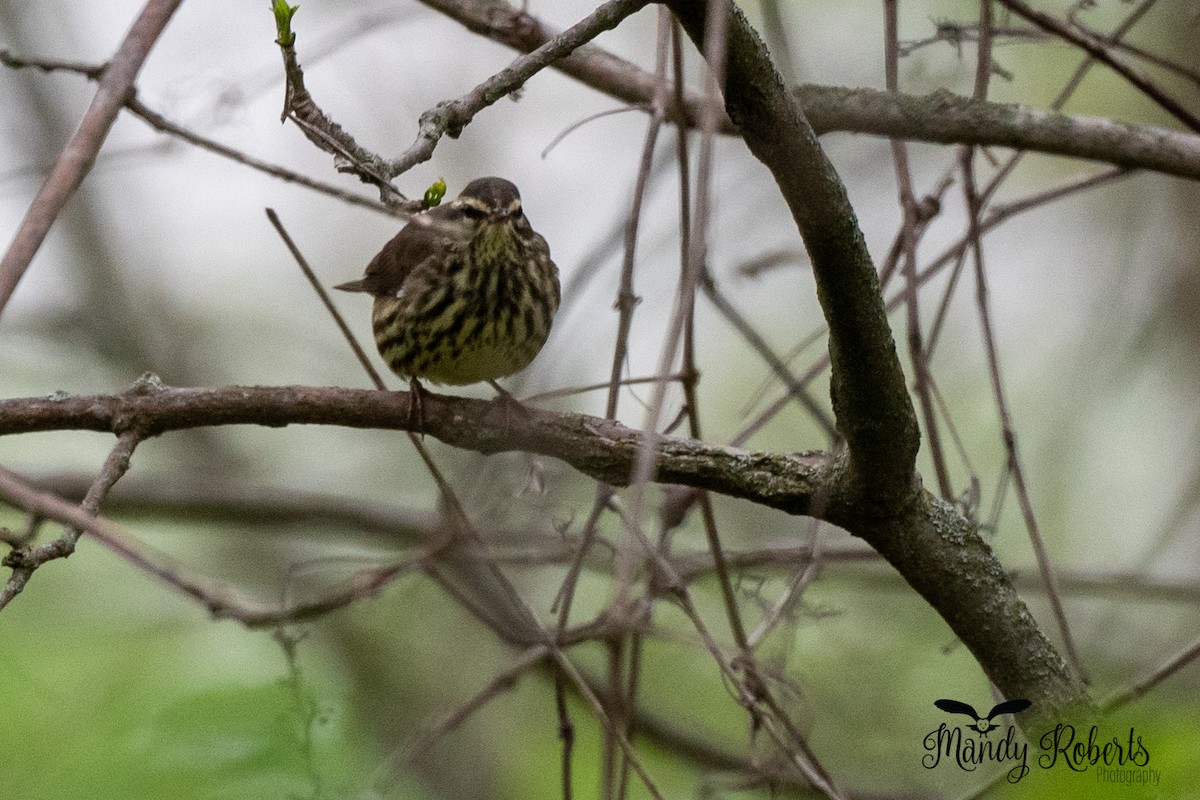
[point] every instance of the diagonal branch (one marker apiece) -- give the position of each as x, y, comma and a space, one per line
1099, 51
941, 117
449, 118
77, 157
590, 65
25, 561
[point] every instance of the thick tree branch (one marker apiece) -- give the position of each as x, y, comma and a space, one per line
941, 117
871, 492
870, 399
603, 449
931, 545
947, 118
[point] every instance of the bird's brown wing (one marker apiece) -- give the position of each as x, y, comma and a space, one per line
416, 241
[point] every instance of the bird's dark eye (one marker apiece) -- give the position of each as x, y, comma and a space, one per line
472, 212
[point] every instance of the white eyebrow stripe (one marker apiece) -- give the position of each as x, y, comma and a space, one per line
473, 202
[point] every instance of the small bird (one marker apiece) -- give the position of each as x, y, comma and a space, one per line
465, 292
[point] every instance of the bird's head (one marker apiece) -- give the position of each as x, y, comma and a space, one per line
491, 210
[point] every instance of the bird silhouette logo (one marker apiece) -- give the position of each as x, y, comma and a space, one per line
982, 725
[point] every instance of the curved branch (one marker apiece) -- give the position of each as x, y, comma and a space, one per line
936, 550
870, 396
874, 491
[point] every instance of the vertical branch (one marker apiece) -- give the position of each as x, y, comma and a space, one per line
696, 254
974, 212
622, 694
667, 23
714, 46
115, 87
566, 732
627, 300
908, 239
610, 763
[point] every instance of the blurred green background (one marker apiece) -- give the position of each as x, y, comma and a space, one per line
113, 685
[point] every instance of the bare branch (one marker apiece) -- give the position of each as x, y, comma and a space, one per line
590, 65
26, 561
447, 118
941, 117
160, 123
1099, 51
80, 153
936, 550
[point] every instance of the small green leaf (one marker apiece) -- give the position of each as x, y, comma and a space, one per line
283, 22
435, 193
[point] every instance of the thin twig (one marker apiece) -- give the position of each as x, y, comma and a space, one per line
598, 709
315, 282
1139, 689
594, 387
566, 733
25, 562
589, 64
908, 240
953, 254
941, 118
450, 117
796, 388
1008, 433
1099, 51
623, 698
574, 126
160, 123
504, 681
220, 601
